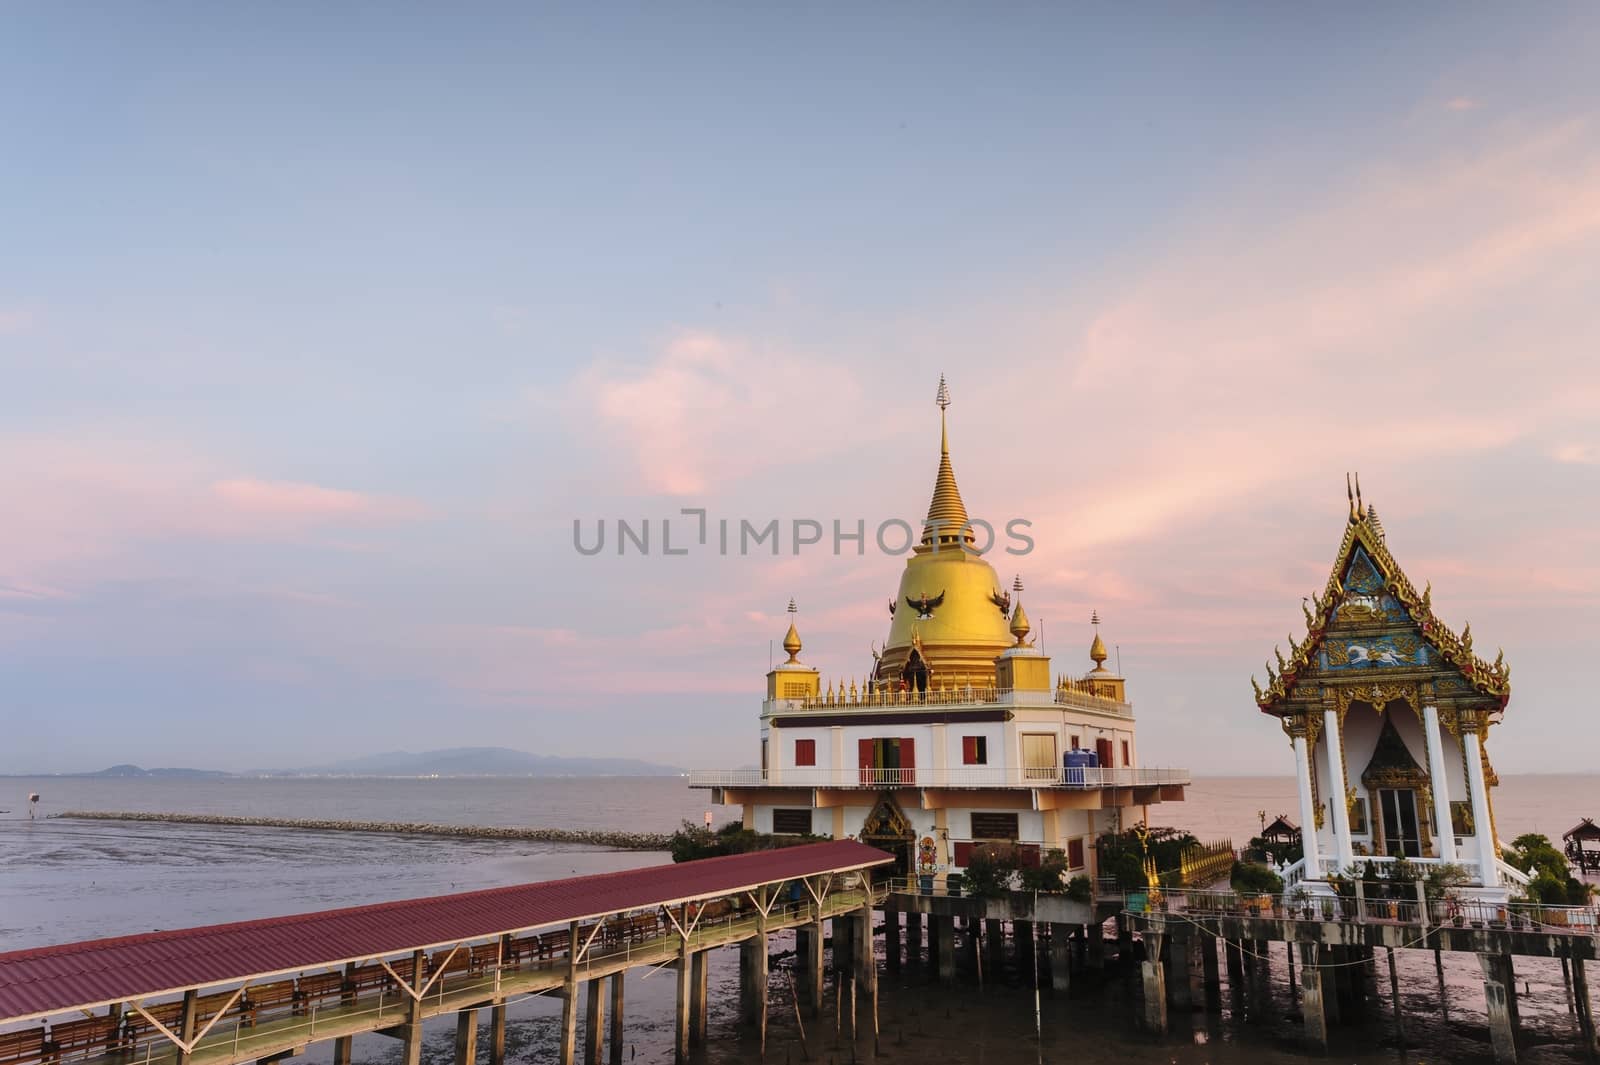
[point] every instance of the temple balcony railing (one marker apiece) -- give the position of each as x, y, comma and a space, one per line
1076, 695
1071, 778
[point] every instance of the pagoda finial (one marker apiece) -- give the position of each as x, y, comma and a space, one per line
791, 639
1019, 617
1097, 649
947, 514
1350, 494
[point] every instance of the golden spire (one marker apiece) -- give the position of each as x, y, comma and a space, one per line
1097, 650
945, 510
791, 639
1019, 625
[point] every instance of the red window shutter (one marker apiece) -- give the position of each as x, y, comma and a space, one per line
1075, 854
1127, 753
908, 760
1102, 748
969, 750
963, 854
1028, 855
864, 749
805, 752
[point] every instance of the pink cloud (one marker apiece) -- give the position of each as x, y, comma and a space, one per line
309, 501
14, 320
1461, 103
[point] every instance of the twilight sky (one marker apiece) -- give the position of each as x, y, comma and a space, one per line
319, 326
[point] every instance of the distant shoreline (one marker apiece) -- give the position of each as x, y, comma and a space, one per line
626, 841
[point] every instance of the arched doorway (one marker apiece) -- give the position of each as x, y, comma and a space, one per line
890, 831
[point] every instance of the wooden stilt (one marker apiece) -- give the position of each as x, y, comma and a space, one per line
617, 996
1394, 999
467, 1038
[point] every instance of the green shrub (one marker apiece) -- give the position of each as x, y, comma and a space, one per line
1049, 877
989, 871
1249, 879
692, 842
1535, 855
1079, 889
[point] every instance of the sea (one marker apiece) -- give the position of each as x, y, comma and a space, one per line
64, 880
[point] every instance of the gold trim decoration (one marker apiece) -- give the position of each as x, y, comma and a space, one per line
1377, 696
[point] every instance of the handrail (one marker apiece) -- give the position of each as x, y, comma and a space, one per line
1074, 777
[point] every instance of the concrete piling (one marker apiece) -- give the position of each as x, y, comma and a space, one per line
914, 939
1499, 993
342, 1050
685, 978
1210, 976
1311, 998
1060, 958
1180, 989
944, 934
891, 939
994, 939
1155, 989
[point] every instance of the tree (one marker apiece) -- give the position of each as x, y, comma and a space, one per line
692, 841
989, 871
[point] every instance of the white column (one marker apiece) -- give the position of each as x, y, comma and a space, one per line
1444, 832
1488, 869
1308, 809
1341, 812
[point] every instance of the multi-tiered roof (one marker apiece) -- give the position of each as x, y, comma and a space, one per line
1371, 624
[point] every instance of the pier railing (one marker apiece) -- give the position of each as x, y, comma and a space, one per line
1072, 778
1373, 903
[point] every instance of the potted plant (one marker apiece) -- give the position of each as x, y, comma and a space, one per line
1300, 902
1327, 909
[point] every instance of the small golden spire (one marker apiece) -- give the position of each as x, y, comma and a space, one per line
1020, 626
1097, 650
791, 639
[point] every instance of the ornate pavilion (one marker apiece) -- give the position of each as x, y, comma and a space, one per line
959, 735
1388, 712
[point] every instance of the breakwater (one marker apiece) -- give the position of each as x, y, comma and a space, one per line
626, 841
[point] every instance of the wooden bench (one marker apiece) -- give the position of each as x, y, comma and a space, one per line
554, 943
634, 929
263, 997
518, 949
450, 961
84, 1037
22, 1048
483, 957
138, 1030
370, 977
318, 988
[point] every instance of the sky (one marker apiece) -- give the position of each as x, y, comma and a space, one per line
321, 326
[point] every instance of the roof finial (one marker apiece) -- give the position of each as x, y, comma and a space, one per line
1097, 650
947, 521
1358, 492
791, 639
1350, 494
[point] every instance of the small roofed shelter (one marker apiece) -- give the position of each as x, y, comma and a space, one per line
1583, 846
1281, 833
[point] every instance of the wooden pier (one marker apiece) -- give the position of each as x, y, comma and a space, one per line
265, 990
1334, 943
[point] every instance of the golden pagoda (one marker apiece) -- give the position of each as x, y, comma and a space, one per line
949, 619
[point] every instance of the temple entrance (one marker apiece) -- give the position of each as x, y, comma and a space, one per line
1402, 833
887, 829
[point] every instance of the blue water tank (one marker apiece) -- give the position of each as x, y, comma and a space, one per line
1076, 761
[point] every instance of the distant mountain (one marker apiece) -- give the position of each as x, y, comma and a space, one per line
486, 762
129, 771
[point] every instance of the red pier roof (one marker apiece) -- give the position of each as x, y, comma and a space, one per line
96, 972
